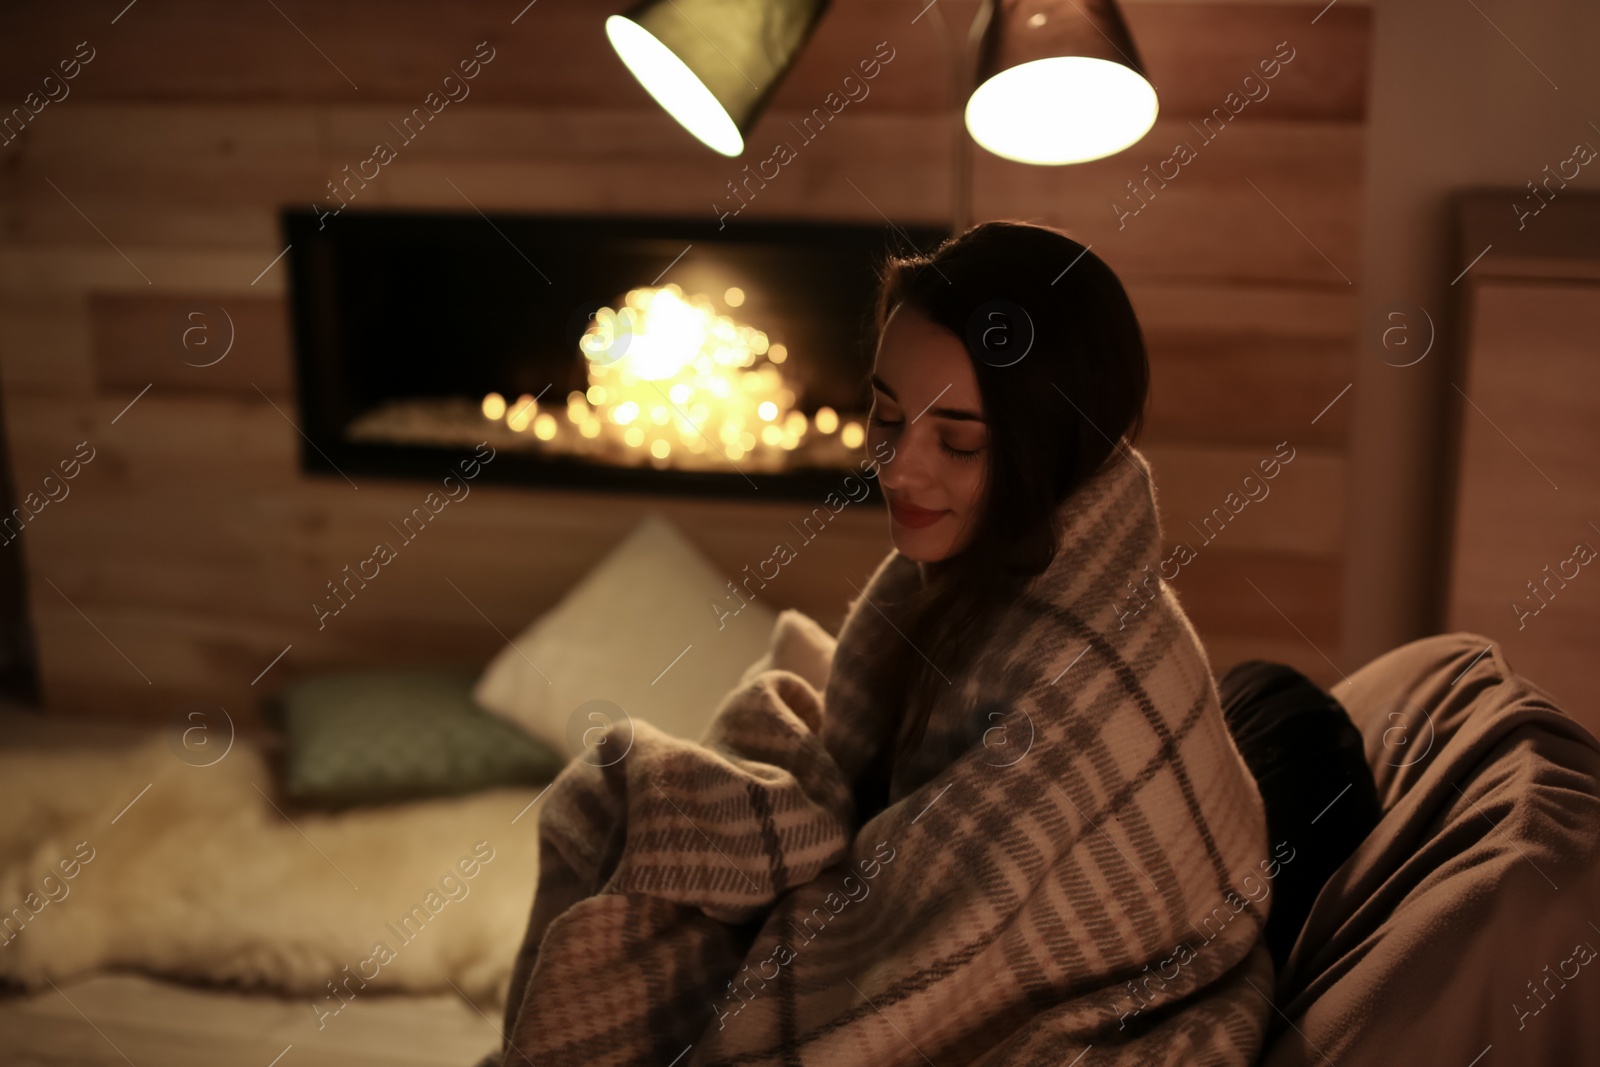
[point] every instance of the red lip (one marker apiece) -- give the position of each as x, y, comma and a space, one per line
913, 517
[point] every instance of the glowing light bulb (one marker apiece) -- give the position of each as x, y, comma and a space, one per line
544, 426
1004, 113
633, 436
778, 353
767, 410
494, 406
660, 448
733, 297
674, 85
852, 435
827, 420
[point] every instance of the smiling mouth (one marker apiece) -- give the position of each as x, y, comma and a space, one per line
913, 517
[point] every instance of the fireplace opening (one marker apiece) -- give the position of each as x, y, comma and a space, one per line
629, 354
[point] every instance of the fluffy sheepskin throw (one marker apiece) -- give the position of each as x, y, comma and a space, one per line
1084, 886
199, 876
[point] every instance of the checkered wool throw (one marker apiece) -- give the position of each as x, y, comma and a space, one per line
1056, 879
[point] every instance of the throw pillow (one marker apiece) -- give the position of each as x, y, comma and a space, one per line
653, 632
380, 735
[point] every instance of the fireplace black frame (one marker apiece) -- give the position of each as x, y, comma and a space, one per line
327, 401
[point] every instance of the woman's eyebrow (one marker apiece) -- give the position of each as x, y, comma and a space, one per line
959, 414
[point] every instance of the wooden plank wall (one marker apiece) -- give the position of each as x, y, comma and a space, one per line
1525, 528
191, 547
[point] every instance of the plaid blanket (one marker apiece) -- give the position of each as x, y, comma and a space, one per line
1073, 870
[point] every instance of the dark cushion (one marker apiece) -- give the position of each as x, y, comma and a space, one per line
381, 735
1309, 763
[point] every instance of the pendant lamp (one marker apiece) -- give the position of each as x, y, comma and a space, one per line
713, 64
1059, 81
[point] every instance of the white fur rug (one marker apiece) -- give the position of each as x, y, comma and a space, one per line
201, 878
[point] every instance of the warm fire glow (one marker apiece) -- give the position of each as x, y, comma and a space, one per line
672, 382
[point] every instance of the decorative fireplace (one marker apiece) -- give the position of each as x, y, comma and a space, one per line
641, 354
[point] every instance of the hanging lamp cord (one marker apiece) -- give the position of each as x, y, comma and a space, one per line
963, 69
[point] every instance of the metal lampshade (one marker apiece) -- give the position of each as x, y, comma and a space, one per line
1059, 81
712, 64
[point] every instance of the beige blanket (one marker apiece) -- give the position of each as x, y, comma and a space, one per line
1074, 870
1464, 928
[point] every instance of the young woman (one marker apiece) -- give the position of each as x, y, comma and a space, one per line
1010, 367
975, 502
999, 820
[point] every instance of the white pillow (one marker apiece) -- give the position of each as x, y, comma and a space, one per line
800, 644
615, 633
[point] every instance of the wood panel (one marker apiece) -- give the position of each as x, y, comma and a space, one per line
166, 441
1234, 364
1263, 605
1268, 201
183, 343
51, 271
45, 343
270, 554
1525, 412
1298, 512
40, 219
1528, 499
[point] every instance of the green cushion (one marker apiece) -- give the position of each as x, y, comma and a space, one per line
381, 735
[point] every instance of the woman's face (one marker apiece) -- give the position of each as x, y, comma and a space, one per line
925, 403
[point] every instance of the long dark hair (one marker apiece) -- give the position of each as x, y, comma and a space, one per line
1063, 375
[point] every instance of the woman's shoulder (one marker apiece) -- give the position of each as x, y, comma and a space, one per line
881, 598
